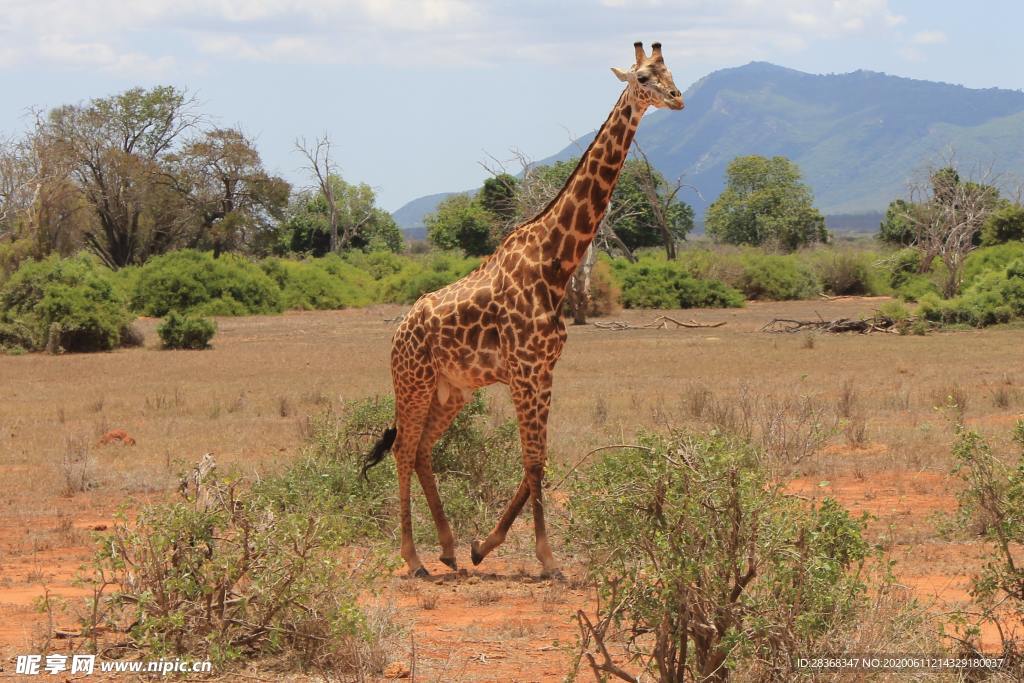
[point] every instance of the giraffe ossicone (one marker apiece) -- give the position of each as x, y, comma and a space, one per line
502, 323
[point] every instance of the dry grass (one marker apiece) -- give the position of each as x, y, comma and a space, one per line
857, 412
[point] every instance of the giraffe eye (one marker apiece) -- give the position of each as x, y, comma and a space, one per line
643, 78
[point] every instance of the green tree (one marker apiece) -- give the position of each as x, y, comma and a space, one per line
461, 222
115, 149
498, 196
651, 214
307, 226
643, 204
1005, 224
765, 203
235, 201
896, 228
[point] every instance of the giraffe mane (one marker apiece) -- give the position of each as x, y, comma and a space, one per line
575, 171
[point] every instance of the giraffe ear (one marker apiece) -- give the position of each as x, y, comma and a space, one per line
621, 74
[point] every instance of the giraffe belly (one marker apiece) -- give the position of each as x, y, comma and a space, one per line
465, 370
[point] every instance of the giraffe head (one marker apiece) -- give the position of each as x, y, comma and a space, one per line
650, 81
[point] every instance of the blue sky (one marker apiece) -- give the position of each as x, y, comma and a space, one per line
416, 93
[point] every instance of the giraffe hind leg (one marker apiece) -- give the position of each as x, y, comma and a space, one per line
412, 403
439, 418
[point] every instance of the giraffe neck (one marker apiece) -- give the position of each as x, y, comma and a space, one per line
571, 220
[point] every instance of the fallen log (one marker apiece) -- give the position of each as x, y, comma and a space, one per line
662, 322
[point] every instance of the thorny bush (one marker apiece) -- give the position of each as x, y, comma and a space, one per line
991, 504
703, 567
231, 573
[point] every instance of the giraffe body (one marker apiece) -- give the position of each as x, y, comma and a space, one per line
502, 324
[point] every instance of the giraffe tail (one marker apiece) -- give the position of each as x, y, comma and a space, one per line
380, 448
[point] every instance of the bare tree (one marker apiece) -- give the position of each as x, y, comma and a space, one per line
946, 214
17, 183
318, 155
661, 200
39, 201
536, 189
318, 158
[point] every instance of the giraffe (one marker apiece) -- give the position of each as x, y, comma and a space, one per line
502, 323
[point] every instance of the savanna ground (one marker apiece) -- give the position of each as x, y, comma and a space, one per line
886, 450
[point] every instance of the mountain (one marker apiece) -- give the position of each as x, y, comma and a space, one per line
857, 137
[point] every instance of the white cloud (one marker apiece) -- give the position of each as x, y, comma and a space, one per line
157, 34
928, 38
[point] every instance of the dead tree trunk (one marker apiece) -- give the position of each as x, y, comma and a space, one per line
578, 295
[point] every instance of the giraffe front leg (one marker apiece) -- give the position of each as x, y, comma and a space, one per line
535, 475
531, 394
480, 549
532, 398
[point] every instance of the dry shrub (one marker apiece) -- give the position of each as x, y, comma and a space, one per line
76, 466
284, 406
605, 295
427, 601
787, 429
952, 397
893, 621
232, 573
697, 400
132, 336
848, 399
793, 428
855, 429
1003, 394
383, 638
485, 595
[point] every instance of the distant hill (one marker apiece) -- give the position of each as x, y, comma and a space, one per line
858, 137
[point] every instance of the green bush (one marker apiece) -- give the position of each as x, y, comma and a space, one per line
901, 272
185, 332
190, 281
994, 259
992, 298
424, 274
358, 286
846, 272
776, 277
67, 303
991, 499
16, 338
1005, 224
688, 540
656, 283
379, 264
13, 253
310, 285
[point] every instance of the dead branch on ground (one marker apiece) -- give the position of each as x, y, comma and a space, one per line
662, 322
876, 323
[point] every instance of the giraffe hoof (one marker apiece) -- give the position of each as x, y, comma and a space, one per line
474, 553
452, 564
420, 573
